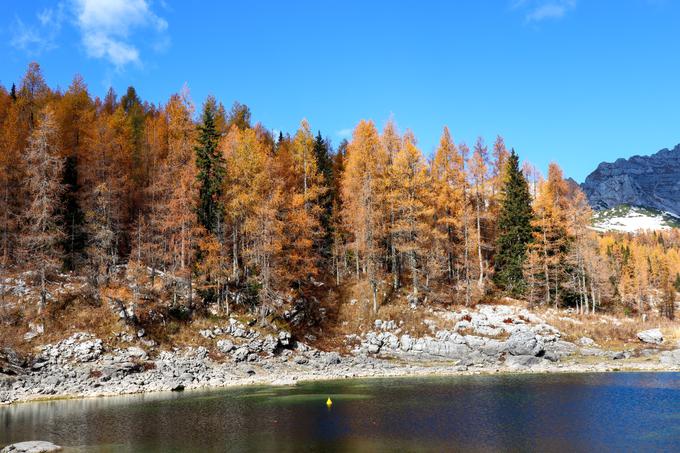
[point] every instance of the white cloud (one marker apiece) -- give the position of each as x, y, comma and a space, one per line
36, 38
106, 27
539, 10
344, 133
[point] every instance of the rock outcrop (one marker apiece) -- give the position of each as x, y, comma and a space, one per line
648, 181
33, 446
469, 340
652, 336
490, 335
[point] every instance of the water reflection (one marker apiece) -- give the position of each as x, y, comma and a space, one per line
623, 411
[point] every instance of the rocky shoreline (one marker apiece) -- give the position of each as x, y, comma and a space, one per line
490, 339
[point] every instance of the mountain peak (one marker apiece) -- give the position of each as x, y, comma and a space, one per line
650, 181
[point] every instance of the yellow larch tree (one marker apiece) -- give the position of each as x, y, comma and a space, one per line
551, 242
448, 180
392, 143
478, 168
304, 188
409, 194
363, 201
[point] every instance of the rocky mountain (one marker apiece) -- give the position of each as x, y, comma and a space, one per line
647, 181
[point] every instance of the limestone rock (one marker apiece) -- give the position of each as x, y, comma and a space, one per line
10, 362
522, 361
331, 358
225, 346
284, 338
585, 341
241, 354
671, 358
34, 446
652, 336
524, 342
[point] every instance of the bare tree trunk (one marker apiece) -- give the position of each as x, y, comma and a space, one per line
181, 249
356, 260
592, 293
43, 291
466, 260
480, 283
414, 273
545, 269
234, 252
5, 229
375, 298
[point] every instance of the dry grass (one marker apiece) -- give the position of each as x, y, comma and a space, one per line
354, 311
610, 331
70, 311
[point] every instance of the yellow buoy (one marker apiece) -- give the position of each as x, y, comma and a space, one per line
329, 403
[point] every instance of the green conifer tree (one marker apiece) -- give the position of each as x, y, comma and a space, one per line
211, 171
514, 226
324, 161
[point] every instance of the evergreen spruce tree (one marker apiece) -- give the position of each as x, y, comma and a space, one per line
324, 162
73, 217
134, 113
514, 226
211, 171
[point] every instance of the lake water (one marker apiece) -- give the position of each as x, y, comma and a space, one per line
637, 412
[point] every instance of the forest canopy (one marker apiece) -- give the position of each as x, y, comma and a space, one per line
251, 221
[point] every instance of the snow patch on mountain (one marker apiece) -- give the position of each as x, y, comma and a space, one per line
631, 219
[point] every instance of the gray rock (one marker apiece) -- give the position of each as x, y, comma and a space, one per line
10, 362
6, 382
522, 361
671, 358
390, 341
595, 352
331, 358
585, 341
186, 377
301, 360
241, 354
652, 336
284, 338
207, 333
617, 355
34, 446
556, 350
136, 353
255, 346
406, 343
524, 342
269, 344
225, 346
493, 348
373, 348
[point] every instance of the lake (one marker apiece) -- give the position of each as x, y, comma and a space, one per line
570, 412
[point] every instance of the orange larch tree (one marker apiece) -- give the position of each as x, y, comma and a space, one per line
43, 231
363, 202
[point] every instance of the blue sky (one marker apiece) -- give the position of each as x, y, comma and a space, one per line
574, 81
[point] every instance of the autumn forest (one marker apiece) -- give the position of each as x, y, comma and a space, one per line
236, 218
